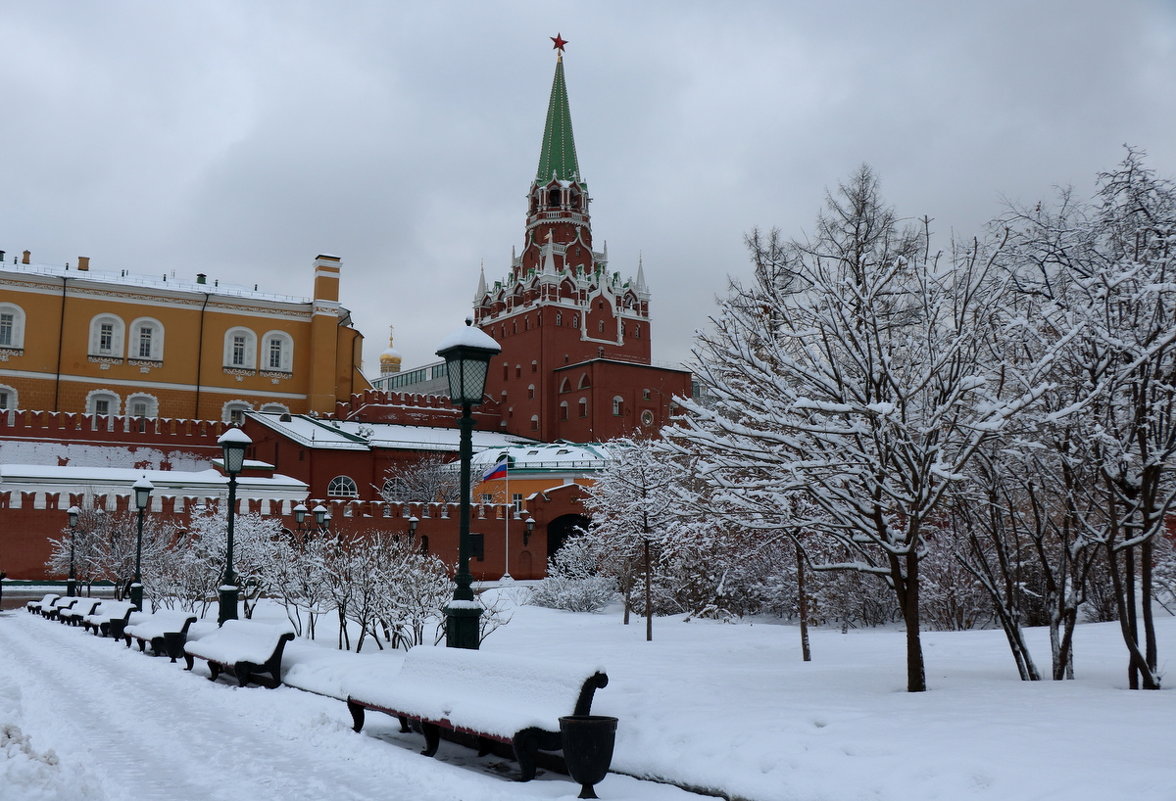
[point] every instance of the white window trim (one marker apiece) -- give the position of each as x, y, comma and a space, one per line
156, 354
152, 404
275, 408
95, 395
250, 362
227, 408
18, 325
118, 336
287, 365
13, 398
346, 482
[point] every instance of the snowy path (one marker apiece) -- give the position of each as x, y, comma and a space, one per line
140, 727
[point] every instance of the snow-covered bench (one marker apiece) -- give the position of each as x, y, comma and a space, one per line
494, 698
42, 606
54, 610
76, 613
165, 632
245, 648
109, 618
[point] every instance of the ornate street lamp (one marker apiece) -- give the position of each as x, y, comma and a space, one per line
412, 527
71, 586
321, 517
528, 529
300, 515
233, 444
142, 489
467, 353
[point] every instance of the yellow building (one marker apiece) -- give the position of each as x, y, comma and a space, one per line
118, 343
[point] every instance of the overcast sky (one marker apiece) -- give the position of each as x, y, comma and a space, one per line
243, 138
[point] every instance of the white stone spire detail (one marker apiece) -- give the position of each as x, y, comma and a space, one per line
481, 293
642, 288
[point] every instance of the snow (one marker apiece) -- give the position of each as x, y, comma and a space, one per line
470, 337
359, 436
730, 707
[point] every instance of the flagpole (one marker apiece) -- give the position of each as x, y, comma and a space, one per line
506, 525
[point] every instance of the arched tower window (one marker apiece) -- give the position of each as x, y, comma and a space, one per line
563, 410
106, 336
234, 411
583, 407
618, 404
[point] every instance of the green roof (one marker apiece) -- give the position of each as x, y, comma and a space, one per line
558, 154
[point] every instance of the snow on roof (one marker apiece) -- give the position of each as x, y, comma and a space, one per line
547, 456
154, 281
359, 436
167, 482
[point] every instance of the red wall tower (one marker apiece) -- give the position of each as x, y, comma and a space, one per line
575, 361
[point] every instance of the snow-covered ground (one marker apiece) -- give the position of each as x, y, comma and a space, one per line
730, 708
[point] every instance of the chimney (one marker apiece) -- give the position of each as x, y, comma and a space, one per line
25, 259
83, 263
201, 278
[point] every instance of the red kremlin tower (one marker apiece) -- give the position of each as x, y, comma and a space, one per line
575, 337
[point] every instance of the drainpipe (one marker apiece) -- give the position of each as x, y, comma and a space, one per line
60, 342
200, 356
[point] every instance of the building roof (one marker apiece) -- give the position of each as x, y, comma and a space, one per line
169, 483
557, 157
354, 435
545, 457
160, 281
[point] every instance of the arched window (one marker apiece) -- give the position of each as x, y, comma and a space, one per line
276, 408
600, 327
146, 339
583, 381
8, 398
565, 386
234, 411
342, 487
12, 326
583, 407
636, 331
277, 349
142, 405
558, 319
106, 336
534, 365
240, 348
563, 410
103, 401
534, 422
618, 404
575, 321
530, 391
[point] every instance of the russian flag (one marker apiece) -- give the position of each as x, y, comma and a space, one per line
497, 471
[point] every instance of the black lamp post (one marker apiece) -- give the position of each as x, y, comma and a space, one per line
71, 586
142, 489
321, 518
412, 527
300, 515
528, 529
233, 444
467, 353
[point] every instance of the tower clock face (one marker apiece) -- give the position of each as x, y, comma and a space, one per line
647, 417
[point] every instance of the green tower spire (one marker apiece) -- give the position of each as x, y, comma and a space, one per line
558, 154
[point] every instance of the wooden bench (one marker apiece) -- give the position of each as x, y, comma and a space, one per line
165, 632
76, 613
244, 648
488, 697
42, 606
109, 619
54, 610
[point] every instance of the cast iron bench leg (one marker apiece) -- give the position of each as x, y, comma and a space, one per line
404, 727
526, 746
356, 715
432, 734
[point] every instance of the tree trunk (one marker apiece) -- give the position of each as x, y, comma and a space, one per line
906, 587
802, 605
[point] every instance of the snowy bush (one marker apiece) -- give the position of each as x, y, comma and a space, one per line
571, 583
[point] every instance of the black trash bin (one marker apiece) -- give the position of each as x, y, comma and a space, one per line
588, 748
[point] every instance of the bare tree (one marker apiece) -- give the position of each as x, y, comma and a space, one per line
430, 479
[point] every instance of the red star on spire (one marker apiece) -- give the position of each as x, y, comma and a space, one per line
559, 42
